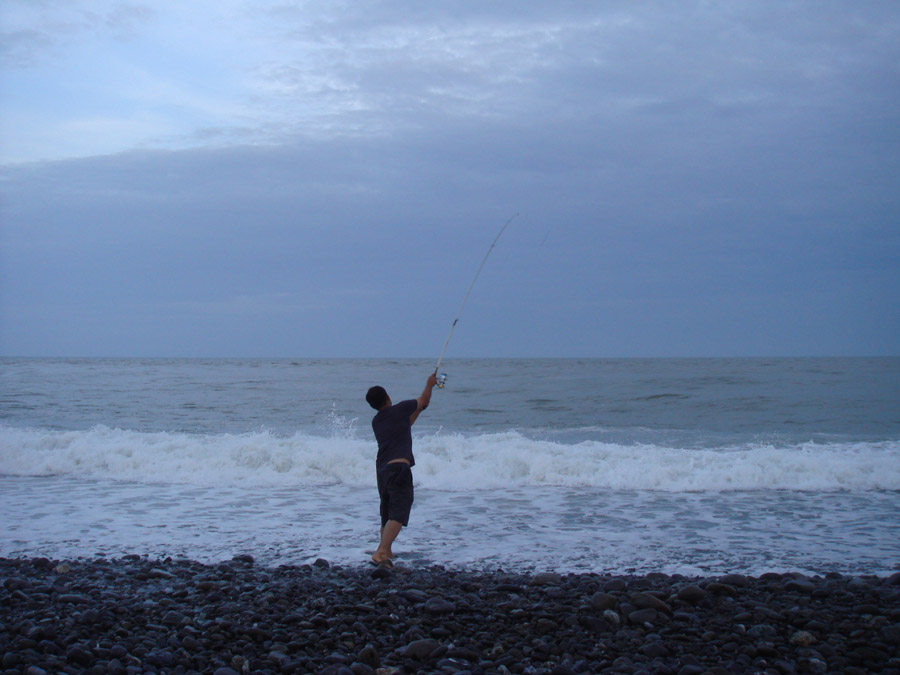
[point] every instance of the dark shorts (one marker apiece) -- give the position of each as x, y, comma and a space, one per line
395, 487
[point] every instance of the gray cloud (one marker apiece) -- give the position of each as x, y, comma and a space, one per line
692, 179
35, 32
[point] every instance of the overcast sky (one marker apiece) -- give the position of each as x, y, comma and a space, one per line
323, 178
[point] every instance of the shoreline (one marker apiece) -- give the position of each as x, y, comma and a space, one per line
139, 615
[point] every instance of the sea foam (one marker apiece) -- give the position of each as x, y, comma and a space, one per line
451, 462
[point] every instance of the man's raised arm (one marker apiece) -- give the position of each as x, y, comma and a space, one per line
424, 398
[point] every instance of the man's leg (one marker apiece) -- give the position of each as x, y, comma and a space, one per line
397, 499
388, 533
384, 508
381, 534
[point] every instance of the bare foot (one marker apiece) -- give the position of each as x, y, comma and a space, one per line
379, 555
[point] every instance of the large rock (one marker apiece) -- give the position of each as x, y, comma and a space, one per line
546, 579
718, 588
368, 656
648, 601
692, 594
641, 616
421, 649
799, 585
738, 580
414, 595
173, 618
82, 657
602, 601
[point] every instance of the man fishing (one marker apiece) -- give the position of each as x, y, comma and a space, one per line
392, 425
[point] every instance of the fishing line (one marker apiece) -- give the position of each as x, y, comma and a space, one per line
442, 378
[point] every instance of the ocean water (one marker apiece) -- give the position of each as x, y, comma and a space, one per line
694, 466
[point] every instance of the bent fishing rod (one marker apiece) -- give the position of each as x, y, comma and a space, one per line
442, 377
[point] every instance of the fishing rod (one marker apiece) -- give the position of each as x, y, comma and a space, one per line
442, 378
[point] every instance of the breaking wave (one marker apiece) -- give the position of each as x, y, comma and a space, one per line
444, 461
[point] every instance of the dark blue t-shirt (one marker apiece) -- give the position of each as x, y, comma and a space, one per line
394, 432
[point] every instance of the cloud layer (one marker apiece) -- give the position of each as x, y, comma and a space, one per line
322, 178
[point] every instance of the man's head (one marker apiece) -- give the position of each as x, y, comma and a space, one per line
378, 398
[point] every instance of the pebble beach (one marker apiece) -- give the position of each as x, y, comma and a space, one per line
136, 615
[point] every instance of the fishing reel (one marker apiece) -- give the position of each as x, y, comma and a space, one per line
441, 380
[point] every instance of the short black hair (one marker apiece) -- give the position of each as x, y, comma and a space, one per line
377, 397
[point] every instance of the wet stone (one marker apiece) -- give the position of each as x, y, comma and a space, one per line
611, 617
891, 634
414, 595
692, 669
802, 639
439, 606
173, 618
647, 601
718, 588
641, 616
737, 580
421, 649
545, 626
190, 644
654, 649
601, 601
381, 573
82, 657
691, 594
369, 656
546, 579
799, 585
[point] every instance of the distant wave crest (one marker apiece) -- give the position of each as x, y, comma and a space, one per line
444, 461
